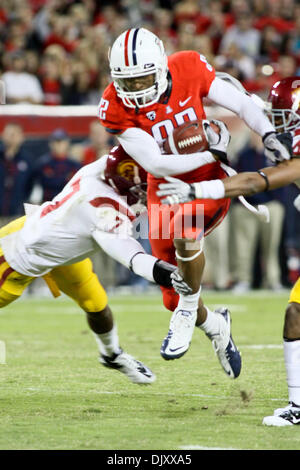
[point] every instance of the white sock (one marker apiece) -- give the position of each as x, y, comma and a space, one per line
189, 302
211, 326
108, 343
292, 365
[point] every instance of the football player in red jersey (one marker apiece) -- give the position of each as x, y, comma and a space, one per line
150, 96
285, 114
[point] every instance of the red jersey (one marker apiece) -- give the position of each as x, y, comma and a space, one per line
190, 80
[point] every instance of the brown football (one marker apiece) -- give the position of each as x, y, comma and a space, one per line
188, 138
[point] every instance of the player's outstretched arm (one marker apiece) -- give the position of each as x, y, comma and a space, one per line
242, 184
246, 184
226, 95
130, 253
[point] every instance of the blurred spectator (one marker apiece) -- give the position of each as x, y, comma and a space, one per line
237, 63
21, 86
243, 35
248, 230
292, 41
186, 35
286, 66
247, 34
15, 39
219, 23
32, 62
53, 170
61, 32
204, 46
15, 171
163, 26
50, 79
273, 16
98, 144
270, 44
186, 11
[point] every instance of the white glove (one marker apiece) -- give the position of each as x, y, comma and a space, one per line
179, 285
278, 147
218, 142
176, 191
297, 203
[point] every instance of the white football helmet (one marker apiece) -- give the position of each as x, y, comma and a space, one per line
138, 53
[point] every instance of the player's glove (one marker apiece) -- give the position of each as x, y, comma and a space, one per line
218, 142
176, 191
297, 203
179, 285
278, 147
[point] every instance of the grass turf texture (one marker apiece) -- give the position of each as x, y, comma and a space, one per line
55, 395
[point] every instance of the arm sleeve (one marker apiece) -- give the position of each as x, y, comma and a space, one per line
125, 251
226, 95
143, 149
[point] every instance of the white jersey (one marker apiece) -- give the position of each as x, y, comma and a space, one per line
64, 230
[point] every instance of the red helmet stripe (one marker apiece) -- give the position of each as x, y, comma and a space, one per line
126, 48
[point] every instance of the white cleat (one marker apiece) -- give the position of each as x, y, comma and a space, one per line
180, 333
288, 417
278, 411
135, 370
223, 344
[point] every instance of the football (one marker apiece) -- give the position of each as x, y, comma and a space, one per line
190, 137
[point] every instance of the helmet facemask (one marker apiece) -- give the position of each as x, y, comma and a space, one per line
284, 120
284, 101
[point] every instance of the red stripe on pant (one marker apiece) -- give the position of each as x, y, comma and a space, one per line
6, 273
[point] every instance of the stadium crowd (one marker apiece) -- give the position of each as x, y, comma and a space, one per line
59, 48
55, 53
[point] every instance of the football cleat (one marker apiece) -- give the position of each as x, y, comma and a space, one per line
135, 370
180, 333
278, 411
288, 417
223, 344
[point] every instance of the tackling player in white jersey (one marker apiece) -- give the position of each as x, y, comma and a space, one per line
285, 113
54, 241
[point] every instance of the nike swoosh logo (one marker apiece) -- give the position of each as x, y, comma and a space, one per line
176, 349
183, 103
295, 420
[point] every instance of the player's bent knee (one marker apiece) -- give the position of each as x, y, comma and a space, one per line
188, 248
92, 296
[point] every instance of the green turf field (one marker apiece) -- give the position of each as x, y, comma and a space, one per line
55, 395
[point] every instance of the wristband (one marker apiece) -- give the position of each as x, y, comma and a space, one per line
209, 189
261, 173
